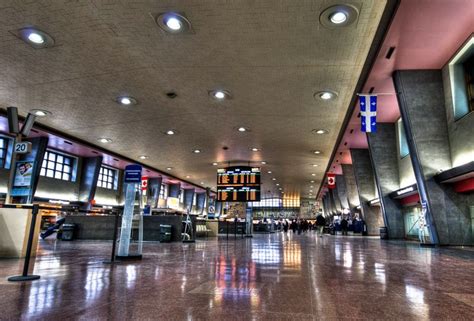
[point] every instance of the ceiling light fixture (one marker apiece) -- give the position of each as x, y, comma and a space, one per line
338, 16
215, 164
34, 37
170, 132
196, 151
274, 179
169, 168
126, 100
311, 181
254, 149
325, 95
143, 157
316, 152
277, 184
187, 176
220, 94
40, 112
104, 140
315, 165
320, 131
173, 22
242, 129
263, 162
269, 172
313, 174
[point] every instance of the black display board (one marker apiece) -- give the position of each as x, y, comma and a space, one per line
238, 184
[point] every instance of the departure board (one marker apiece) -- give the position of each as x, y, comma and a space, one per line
238, 184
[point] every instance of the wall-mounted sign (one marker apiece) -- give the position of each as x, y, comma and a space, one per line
133, 174
23, 178
238, 184
22, 148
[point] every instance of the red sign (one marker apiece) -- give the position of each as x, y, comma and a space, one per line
331, 180
144, 183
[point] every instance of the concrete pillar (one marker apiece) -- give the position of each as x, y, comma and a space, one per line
200, 202
384, 156
153, 192
89, 176
421, 102
342, 191
174, 190
351, 186
337, 202
188, 198
365, 180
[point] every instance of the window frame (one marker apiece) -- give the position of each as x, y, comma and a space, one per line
113, 178
45, 163
7, 152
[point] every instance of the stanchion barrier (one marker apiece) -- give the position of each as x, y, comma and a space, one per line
114, 240
25, 276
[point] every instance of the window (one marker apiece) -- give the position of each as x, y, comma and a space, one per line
58, 166
107, 178
461, 73
3, 152
164, 191
402, 139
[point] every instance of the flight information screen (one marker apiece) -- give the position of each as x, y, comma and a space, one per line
238, 184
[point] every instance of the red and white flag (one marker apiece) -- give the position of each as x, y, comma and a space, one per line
331, 180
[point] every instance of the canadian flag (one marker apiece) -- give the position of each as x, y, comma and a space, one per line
144, 183
331, 180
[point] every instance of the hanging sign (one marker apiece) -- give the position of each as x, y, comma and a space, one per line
133, 174
144, 183
331, 181
22, 148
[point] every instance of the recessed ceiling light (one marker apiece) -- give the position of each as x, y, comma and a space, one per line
274, 179
254, 149
40, 112
220, 94
277, 184
338, 16
242, 129
269, 172
169, 168
320, 131
311, 181
215, 164
105, 140
143, 157
263, 162
35, 37
196, 151
170, 132
126, 100
280, 188
315, 165
325, 95
202, 183
187, 176
316, 152
311, 186
313, 174
173, 22
311, 190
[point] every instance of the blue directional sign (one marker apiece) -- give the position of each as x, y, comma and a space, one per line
133, 174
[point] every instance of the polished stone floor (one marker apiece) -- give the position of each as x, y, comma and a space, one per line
269, 277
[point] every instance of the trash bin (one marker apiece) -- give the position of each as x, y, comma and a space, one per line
165, 233
383, 233
68, 232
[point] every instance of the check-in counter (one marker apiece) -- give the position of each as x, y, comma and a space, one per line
14, 232
96, 227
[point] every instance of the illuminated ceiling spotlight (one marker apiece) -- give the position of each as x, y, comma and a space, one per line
254, 149
215, 164
143, 157
317, 152
40, 112
220, 95
325, 95
170, 132
187, 176
339, 16
320, 131
263, 162
196, 151
242, 129
36, 38
104, 140
126, 100
173, 22
269, 172
169, 168
313, 174
274, 179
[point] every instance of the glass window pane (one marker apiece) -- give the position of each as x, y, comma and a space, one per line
57, 175
50, 173
51, 156
66, 176
60, 159
67, 169
51, 165
44, 164
59, 167
42, 172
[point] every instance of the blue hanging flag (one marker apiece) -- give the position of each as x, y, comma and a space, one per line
368, 114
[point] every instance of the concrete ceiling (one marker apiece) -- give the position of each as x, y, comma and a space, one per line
271, 55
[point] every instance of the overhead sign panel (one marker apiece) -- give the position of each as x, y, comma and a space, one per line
238, 184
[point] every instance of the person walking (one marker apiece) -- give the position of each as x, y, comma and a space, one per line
344, 225
320, 222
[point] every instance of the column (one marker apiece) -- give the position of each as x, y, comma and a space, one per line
342, 191
351, 186
422, 106
200, 202
188, 199
384, 156
89, 176
365, 181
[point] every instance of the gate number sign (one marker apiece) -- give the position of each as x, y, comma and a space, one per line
22, 148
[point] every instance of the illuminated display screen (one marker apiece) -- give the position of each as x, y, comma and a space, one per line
238, 184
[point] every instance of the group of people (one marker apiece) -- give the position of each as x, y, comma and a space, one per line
303, 225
